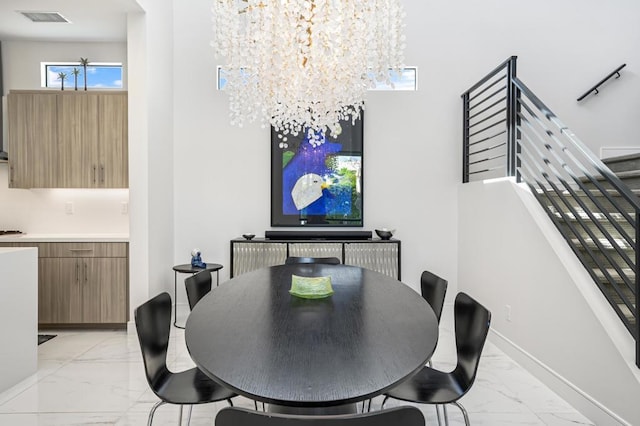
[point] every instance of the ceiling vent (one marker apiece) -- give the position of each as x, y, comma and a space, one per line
45, 17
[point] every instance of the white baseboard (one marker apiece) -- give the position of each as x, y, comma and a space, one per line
580, 400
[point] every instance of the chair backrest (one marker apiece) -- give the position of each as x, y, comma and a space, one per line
405, 416
153, 324
433, 289
197, 285
325, 260
472, 321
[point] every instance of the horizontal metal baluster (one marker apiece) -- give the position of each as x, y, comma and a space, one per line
578, 200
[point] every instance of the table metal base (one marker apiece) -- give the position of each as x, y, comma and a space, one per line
314, 411
187, 269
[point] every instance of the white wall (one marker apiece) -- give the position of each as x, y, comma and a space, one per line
412, 140
222, 173
198, 182
560, 326
42, 211
21, 59
151, 149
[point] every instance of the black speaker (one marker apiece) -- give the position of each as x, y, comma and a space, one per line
317, 235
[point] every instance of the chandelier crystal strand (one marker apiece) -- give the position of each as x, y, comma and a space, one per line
305, 65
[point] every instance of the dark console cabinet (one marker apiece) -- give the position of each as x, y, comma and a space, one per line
378, 255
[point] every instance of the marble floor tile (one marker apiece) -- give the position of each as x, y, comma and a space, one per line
97, 378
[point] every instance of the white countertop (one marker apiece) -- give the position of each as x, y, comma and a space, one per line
64, 238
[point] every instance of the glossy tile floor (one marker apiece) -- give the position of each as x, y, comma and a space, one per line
97, 378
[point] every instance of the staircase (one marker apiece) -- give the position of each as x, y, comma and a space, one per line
509, 131
601, 237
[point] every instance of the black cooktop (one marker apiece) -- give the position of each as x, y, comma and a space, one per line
3, 232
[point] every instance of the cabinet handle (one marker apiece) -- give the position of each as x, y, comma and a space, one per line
77, 272
94, 174
102, 174
85, 272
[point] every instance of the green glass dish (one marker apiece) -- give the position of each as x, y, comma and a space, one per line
311, 287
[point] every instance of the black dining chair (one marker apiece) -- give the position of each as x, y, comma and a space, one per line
433, 289
405, 416
291, 260
197, 286
190, 387
431, 386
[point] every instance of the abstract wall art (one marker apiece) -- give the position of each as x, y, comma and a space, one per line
317, 182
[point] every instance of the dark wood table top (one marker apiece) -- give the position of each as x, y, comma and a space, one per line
252, 336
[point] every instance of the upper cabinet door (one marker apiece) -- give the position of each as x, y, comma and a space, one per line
33, 143
113, 141
78, 134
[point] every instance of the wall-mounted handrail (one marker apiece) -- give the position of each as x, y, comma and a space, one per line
615, 72
509, 131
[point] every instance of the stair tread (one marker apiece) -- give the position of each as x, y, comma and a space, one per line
627, 271
622, 243
593, 192
600, 217
621, 158
628, 174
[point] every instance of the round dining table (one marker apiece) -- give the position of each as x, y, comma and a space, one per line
311, 355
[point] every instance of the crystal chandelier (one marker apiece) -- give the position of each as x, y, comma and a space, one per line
305, 65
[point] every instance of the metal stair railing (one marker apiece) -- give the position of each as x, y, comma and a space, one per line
509, 131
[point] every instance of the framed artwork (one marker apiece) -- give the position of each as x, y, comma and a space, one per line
317, 184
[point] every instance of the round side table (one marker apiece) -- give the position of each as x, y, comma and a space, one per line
188, 269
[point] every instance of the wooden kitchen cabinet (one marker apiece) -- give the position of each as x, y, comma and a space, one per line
82, 283
86, 142
33, 140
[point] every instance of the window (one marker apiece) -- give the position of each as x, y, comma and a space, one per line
407, 80
101, 75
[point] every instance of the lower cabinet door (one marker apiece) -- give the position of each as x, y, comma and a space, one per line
104, 290
59, 290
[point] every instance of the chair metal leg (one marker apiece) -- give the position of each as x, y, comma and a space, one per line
369, 406
464, 413
255, 405
153, 411
438, 414
383, 402
230, 402
189, 416
446, 417
180, 418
